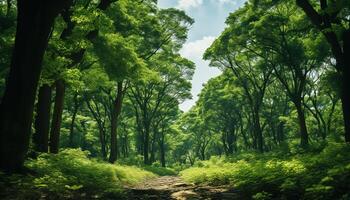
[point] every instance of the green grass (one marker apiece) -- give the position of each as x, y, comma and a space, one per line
314, 175
71, 173
137, 160
161, 171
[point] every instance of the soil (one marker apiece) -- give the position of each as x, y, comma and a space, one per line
172, 187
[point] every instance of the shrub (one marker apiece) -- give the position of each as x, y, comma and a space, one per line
71, 172
318, 174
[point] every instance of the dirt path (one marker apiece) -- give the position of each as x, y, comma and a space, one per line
172, 187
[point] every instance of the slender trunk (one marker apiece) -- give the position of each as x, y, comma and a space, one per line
243, 132
57, 117
230, 141
258, 132
280, 132
75, 112
153, 153
345, 94
224, 143
103, 143
34, 22
139, 136
117, 107
153, 147
146, 145
126, 146
42, 120
202, 153
304, 137
162, 150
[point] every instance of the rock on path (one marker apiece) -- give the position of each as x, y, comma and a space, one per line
172, 187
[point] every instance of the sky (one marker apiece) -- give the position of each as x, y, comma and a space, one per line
209, 16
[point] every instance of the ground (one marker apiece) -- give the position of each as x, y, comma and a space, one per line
172, 187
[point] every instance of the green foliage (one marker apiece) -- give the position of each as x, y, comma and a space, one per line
71, 171
161, 171
155, 168
313, 175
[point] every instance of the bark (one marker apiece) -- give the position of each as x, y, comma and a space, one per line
304, 137
258, 132
230, 140
153, 147
124, 144
75, 112
57, 117
345, 95
117, 108
103, 143
152, 158
146, 145
280, 132
42, 120
162, 150
202, 153
34, 23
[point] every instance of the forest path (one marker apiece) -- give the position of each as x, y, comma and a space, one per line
172, 187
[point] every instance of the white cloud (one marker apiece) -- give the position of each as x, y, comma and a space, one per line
194, 51
187, 4
222, 2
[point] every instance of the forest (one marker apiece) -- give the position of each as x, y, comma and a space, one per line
91, 93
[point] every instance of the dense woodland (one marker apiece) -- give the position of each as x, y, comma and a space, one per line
85, 83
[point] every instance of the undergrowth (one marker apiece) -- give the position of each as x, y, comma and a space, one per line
323, 174
70, 175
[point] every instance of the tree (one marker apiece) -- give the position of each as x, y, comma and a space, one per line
34, 23
221, 103
149, 96
330, 17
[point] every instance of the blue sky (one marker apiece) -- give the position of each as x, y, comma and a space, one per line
209, 16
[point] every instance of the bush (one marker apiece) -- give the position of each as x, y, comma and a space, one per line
71, 172
161, 171
318, 174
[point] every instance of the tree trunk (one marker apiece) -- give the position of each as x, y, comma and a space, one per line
34, 22
75, 112
202, 153
258, 132
117, 108
57, 117
162, 150
146, 146
304, 137
343, 58
103, 143
152, 158
345, 95
153, 147
42, 120
280, 132
230, 140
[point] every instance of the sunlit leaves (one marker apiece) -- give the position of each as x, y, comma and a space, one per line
117, 56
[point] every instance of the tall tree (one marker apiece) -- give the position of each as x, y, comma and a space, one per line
331, 18
34, 23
